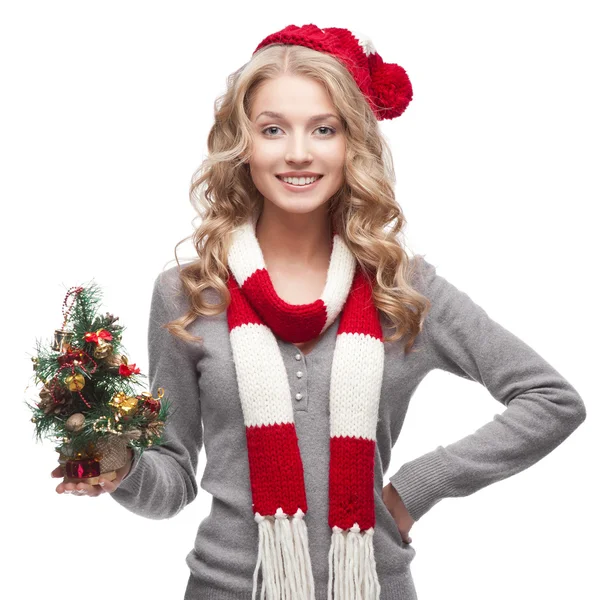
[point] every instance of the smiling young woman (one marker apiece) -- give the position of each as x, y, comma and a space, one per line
292, 346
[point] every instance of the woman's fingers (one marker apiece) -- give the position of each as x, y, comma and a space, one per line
79, 489
85, 489
82, 489
398, 510
110, 486
405, 537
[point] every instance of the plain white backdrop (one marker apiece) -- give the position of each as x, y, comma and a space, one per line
106, 108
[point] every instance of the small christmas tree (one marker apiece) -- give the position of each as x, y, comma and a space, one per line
88, 402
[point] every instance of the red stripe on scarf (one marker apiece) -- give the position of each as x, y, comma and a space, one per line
276, 473
240, 311
351, 493
307, 320
360, 314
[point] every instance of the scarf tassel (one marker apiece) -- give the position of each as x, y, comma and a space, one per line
352, 569
287, 570
283, 553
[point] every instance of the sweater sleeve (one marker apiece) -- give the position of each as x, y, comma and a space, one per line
162, 479
543, 409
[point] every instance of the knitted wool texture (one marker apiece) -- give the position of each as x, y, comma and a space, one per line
386, 86
255, 316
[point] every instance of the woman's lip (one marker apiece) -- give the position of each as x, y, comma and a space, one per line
300, 188
299, 176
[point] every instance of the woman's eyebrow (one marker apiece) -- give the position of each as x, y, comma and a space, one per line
276, 115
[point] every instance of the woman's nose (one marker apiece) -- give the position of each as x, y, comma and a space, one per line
298, 150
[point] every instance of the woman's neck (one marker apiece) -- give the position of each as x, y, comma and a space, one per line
297, 241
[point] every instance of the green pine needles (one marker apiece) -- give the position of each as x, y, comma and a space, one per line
89, 397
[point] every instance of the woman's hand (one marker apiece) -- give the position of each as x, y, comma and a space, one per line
394, 503
85, 489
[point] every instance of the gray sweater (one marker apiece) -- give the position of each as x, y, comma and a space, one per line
542, 410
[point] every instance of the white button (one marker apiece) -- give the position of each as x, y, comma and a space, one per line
298, 396
298, 356
299, 374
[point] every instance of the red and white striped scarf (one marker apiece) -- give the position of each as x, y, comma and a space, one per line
255, 316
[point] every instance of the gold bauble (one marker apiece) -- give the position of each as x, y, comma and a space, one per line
103, 349
75, 422
75, 382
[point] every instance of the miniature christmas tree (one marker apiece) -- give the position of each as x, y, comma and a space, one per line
88, 402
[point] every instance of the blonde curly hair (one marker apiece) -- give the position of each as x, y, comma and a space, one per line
364, 211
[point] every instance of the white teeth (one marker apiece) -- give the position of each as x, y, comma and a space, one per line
299, 180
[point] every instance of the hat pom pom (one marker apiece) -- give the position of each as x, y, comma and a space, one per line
391, 88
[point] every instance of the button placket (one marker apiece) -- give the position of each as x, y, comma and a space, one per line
299, 389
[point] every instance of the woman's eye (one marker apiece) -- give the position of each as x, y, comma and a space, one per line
269, 129
328, 128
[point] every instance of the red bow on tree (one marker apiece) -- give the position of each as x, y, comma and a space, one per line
127, 370
92, 336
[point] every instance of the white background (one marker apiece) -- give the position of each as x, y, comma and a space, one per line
105, 112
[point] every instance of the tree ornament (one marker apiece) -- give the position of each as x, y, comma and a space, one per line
62, 340
60, 404
103, 349
75, 422
127, 369
74, 357
75, 382
64, 336
114, 361
125, 405
110, 319
98, 337
135, 434
154, 428
151, 403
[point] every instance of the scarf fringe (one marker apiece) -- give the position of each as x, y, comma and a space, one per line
352, 568
287, 570
283, 554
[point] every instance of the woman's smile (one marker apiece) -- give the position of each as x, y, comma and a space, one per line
300, 187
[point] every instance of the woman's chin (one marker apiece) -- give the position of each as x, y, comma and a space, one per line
296, 205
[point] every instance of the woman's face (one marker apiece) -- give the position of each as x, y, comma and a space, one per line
292, 136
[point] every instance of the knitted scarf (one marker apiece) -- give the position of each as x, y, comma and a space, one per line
255, 317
